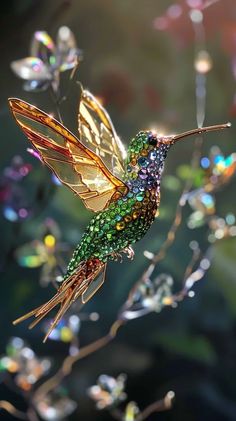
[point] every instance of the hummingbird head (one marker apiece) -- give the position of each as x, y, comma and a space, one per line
147, 152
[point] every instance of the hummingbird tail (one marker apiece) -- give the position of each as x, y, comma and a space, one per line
84, 282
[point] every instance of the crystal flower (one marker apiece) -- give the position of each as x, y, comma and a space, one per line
221, 227
149, 296
108, 391
216, 171
21, 360
13, 196
203, 204
56, 405
47, 60
47, 253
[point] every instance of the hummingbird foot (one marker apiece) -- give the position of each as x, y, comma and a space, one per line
116, 256
129, 251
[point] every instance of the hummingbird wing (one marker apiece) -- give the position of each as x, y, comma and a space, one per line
73, 163
98, 133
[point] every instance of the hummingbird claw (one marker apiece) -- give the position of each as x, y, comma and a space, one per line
129, 251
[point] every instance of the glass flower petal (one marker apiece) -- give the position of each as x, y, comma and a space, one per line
31, 68
108, 391
55, 406
36, 85
42, 46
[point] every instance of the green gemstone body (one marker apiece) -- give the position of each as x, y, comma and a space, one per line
127, 219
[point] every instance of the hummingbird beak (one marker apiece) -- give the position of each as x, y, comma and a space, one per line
175, 138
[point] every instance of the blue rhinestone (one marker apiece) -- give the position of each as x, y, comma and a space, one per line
152, 155
143, 162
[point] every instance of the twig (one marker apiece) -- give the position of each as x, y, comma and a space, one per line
69, 361
195, 256
8, 407
158, 406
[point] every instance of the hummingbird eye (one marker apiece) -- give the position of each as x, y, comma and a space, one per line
152, 140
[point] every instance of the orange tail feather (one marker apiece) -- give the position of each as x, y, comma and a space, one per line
72, 288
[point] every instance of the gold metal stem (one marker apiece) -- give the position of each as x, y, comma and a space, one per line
200, 130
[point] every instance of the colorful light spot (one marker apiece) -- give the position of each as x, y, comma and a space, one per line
49, 241
205, 162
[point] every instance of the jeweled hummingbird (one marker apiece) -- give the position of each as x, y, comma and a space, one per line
122, 188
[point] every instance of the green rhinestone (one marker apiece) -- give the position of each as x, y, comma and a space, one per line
140, 196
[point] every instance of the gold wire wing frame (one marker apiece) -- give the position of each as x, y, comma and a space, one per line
98, 133
73, 163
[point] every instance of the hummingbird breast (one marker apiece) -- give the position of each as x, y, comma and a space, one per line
127, 219
123, 223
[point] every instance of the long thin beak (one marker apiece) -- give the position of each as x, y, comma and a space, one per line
176, 138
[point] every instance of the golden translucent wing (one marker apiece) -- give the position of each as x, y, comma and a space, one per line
74, 164
97, 131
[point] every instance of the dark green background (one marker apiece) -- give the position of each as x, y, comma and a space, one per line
147, 77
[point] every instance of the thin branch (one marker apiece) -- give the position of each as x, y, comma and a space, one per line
159, 406
69, 361
195, 257
8, 407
